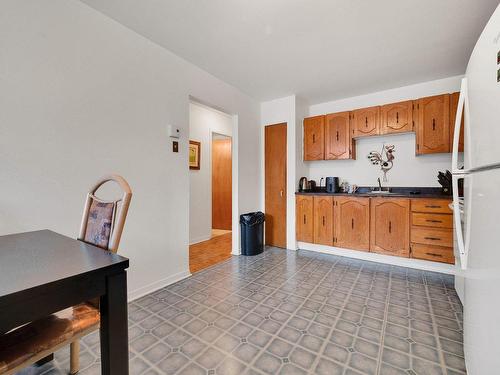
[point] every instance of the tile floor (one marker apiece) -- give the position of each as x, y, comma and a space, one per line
286, 312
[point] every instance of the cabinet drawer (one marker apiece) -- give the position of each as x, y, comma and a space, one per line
436, 206
432, 236
432, 220
434, 253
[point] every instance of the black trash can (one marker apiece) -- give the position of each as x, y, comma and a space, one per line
252, 233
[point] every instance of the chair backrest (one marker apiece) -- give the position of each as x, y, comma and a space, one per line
103, 221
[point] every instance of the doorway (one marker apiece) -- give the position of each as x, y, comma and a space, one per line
211, 187
275, 184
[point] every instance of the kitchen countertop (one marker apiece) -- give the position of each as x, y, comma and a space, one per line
396, 192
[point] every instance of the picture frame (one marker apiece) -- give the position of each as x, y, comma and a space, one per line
194, 155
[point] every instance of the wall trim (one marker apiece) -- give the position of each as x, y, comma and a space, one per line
379, 258
154, 286
200, 239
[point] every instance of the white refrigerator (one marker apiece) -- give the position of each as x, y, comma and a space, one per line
477, 214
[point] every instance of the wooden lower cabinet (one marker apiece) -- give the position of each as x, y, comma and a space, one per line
432, 230
304, 218
417, 228
323, 220
389, 230
352, 223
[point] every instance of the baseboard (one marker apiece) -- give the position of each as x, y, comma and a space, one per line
379, 258
200, 239
138, 293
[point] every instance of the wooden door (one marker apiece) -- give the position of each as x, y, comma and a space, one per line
338, 142
366, 121
314, 138
453, 114
389, 230
352, 223
304, 218
275, 185
433, 128
397, 117
323, 220
222, 196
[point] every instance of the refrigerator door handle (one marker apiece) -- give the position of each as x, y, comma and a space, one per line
463, 239
462, 109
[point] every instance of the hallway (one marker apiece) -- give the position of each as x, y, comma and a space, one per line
207, 253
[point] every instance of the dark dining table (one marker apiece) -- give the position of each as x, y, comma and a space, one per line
43, 272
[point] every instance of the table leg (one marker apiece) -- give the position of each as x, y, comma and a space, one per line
114, 326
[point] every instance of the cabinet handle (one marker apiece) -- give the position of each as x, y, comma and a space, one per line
435, 255
433, 124
366, 122
337, 135
432, 206
433, 221
352, 223
397, 117
323, 221
433, 238
314, 138
390, 226
304, 219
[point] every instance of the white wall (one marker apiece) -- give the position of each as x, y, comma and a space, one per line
203, 121
81, 96
408, 170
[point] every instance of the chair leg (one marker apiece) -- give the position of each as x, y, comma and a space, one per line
74, 352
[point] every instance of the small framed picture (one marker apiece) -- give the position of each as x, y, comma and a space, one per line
194, 154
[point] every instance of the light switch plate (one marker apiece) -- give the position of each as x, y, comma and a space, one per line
175, 146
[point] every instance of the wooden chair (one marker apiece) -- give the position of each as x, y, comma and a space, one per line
102, 225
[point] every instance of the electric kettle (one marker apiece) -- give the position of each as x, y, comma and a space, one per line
303, 184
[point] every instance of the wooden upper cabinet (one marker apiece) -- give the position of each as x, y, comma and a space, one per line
453, 114
433, 128
304, 218
314, 138
396, 117
352, 223
323, 220
366, 121
338, 141
389, 231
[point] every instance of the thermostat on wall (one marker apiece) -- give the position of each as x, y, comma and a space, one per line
173, 132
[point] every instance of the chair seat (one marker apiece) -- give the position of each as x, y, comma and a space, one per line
29, 343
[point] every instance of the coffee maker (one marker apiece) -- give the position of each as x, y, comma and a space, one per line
332, 184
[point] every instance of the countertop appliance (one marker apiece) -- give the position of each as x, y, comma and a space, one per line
332, 185
303, 184
477, 222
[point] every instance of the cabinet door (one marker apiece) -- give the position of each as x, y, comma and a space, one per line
433, 129
366, 121
396, 117
453, 114
323, 220
338, 144
314, 138
304, 218
389, 230
352, 223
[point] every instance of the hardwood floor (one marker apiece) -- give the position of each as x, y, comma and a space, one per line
207, 253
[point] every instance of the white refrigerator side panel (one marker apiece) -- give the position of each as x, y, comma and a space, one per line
482, 276
484, 96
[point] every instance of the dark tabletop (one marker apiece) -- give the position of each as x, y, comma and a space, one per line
31, 259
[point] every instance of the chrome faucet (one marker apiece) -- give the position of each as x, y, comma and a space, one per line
379, 184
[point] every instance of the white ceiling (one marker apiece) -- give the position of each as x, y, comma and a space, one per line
317, 49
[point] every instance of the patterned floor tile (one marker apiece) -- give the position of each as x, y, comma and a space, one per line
287, 312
